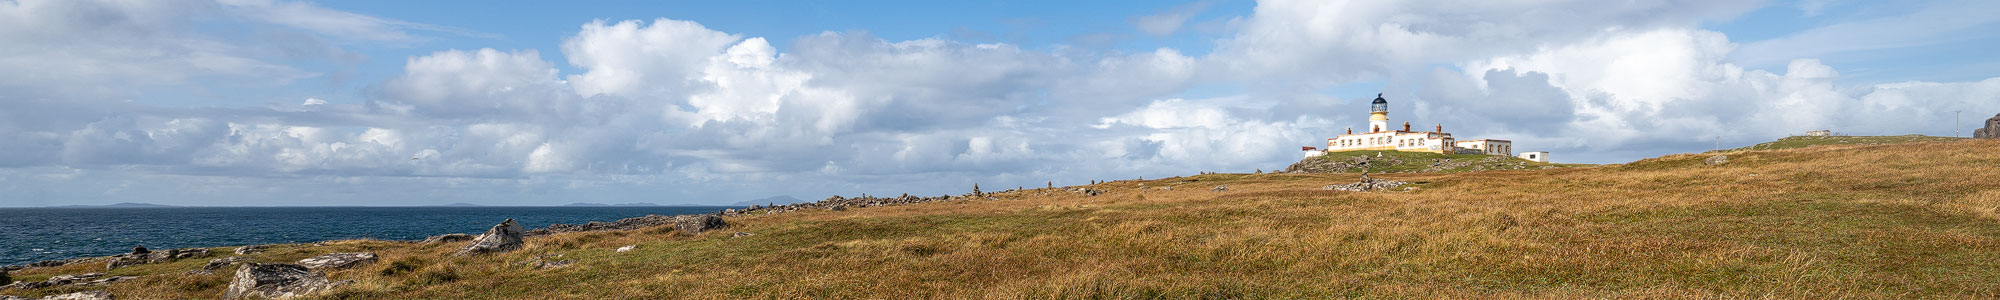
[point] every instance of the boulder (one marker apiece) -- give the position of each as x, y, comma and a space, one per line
247, 250
218, 264
699, 223
1716, 160
1222, 188
276, 281
140, 256
75, 278
4, 280
1990, 131
742, 234
90, 295
338, 260
627, 248
502, 238
449, 238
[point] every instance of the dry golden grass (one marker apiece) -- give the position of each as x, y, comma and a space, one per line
1870, 221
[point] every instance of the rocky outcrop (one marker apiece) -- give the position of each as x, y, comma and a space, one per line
1990, 131
1716, 160
1366, 185
621, 224
502, 238
277, 281
338, 260
247, 250
90, 295
218, 264
139, 257
73, 279
449, 238
699, 224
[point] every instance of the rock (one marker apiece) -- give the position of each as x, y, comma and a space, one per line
622, 224
6, 297
449, 238
109, 280
741, 234
1366, 185
548, 261
627, 248
276, 281
1716, 160
502, 238
140, 250
247, 250
1221, 188
840, 208
90, 295
1990, 131
338, 260
218, 264
700, 223
4, 280
123, 260
77, 278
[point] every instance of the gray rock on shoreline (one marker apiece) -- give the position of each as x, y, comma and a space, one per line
338, 260
277, 281
502, 238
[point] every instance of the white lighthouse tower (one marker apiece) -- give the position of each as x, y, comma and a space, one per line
1378, 115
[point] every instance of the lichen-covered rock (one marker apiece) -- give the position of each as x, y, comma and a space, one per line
449, 238
338, 260
502, 238
698, 224
1366, 185
90, 295
276, 281
140, 256
218, 264
247, 250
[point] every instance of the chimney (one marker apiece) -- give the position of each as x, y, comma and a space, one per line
1406, 126
1440, 128
1350, 130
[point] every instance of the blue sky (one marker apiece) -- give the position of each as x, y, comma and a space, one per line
265, 102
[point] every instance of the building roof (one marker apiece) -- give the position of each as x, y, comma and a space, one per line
1485, 140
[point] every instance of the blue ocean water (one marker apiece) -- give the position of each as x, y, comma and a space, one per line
36, 234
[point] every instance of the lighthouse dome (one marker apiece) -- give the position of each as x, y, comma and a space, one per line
1380, 105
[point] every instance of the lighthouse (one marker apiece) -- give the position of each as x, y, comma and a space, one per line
1378, 115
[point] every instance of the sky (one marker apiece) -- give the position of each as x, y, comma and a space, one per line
273, 103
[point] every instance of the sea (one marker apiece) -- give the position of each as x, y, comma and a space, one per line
36, 234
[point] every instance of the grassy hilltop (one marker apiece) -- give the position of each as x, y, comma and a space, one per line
1877, 221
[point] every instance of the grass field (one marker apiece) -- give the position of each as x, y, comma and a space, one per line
1913, 220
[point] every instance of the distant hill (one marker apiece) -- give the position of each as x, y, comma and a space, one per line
620, 204
775, 200
120, 204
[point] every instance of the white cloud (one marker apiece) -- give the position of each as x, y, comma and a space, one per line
1947, 21
1166, 23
